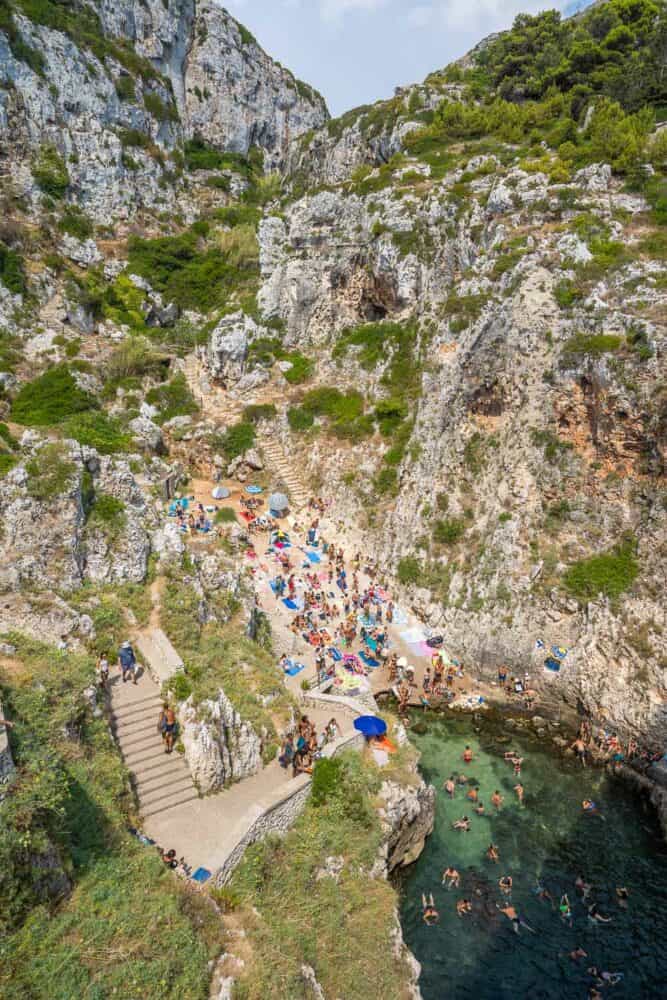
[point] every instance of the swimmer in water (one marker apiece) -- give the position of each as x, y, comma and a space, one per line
582, 886
518, 761
595, 916
505, 883
565, 909
451, 878
450, 786
492, 853
467, 755
497, 799
543, 893
622, 897
462, 780
577, 954
472, 794
604, 978
462, 824
518, 788
479, 808
515, 919
463, 906
589, 807
429, 913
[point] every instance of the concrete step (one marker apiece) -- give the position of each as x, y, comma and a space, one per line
167, 784
166, 806
166, 792
138, 716
160, 776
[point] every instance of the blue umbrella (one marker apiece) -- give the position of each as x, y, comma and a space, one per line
370, 725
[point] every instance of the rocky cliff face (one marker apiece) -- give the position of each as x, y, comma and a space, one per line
102, 96
220, 746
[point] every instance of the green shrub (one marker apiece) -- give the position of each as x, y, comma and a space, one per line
610, 574
50, 172
7, 438
135, 356
593, 345
299, 419
12, 271
50, 398
107, 512
50, 472
158, 109
567, 293
132, 138
554, 447
96, 430
409, 570
76, 223
238, 439
448, 531
173, 399
259, 411
7, 462
327, 779
125, 88
301, 370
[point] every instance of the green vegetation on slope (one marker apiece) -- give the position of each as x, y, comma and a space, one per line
343, 930
610, 574
128, 928
50, 398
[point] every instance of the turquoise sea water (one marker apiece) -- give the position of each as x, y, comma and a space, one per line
479, 956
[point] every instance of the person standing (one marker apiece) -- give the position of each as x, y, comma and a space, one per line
127, 662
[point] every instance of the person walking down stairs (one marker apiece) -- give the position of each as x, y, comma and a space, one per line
166, 726
127, 662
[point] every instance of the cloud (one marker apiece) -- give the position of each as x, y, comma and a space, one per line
334, 10
485, 15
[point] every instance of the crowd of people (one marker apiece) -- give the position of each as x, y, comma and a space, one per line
300, 749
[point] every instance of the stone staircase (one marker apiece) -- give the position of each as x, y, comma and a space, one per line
161, 781
277, 462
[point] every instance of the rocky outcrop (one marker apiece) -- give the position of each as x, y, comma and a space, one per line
51, 541
651, 785
112, 117
6, 759
407, 814
220, 746
228, 347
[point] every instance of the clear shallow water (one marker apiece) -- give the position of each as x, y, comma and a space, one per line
550, 838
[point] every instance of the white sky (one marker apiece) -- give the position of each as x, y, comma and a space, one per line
356, 51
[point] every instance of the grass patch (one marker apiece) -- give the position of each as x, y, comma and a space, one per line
344, 413
173, 399
448, 531
12, 271
593, 345
259, 411
50, 472
96, 430
409, 570
50, 172
344, 930
610, 574
75, 223
70, 794
554, 447
237, 440
50, 398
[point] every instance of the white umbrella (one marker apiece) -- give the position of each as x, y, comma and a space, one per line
220, 493
278, 501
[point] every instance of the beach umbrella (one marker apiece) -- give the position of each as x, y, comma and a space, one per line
278, 501
370, 725
402, 662
220, 493
253, 490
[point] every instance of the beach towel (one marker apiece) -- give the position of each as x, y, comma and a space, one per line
294, 668
400, 617
366, 621
559, 652
381, 593
368, 660
372, 644
420, 649
247, 516
552, 664
314, 557
254, 490
201, 875
413, 635
274, 586
336, 654
292, 605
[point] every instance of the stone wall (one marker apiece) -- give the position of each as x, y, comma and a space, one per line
275, 813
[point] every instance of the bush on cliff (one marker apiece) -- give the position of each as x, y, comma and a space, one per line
50, 398
610, 573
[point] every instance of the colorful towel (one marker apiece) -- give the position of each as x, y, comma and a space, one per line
336, 654
254, 490
559, 652
372, 644
400, 617
421, 649
247, 516
294, 669
292, 605
368, 660
552, 664
314, 557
